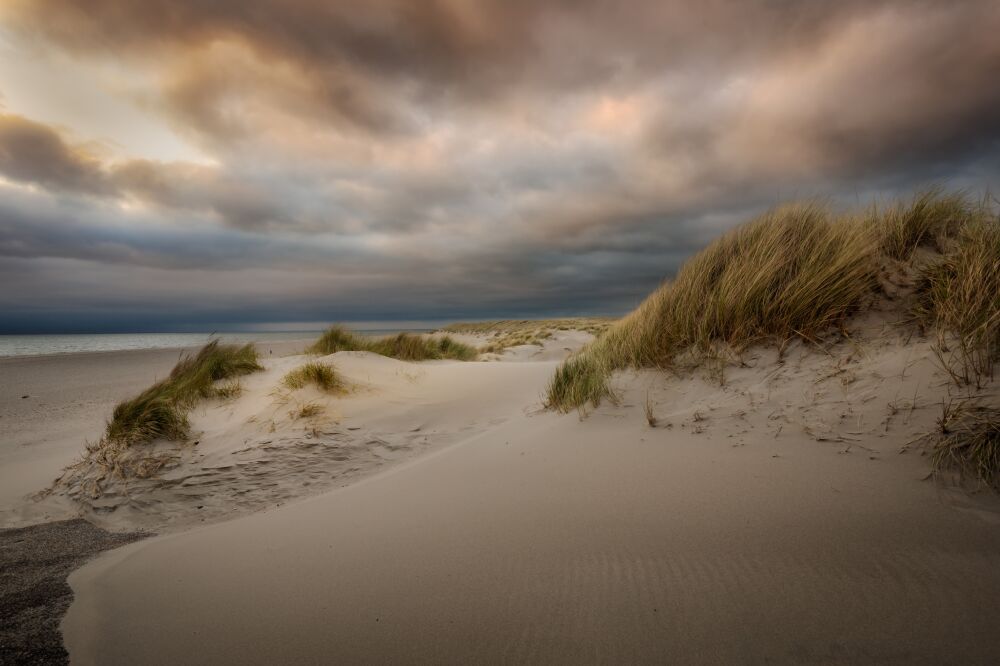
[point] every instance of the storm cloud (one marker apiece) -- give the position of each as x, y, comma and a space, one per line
456, 158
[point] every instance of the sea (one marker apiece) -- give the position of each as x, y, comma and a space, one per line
36, 345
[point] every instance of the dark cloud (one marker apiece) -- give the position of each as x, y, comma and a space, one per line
457, 158
35, 153
358, 60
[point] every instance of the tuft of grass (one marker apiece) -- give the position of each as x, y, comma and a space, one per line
320, 374
579, 380
337, 339
796, 271
959, 297
930, 219
969, 441
404, 346
307, 411
161, 410
230, 390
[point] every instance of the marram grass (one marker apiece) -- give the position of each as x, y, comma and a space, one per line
404, 346
969, 442
797, 271
960, 299
323, 376
161, 410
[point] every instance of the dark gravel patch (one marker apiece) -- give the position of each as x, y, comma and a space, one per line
34, 594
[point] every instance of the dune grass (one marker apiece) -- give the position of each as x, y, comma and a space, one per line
959, 297
403, 346
161, 410
969, 441
307, 411
323, 376
796, 271
931, 219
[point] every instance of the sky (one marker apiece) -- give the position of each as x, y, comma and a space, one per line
180, 165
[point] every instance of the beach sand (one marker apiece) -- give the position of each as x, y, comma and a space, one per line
50, 405
783, 515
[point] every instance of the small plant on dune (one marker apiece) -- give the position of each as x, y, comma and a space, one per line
577, 381
230, 390
321, 375
307, 411
969, 441
799, 271
404, 346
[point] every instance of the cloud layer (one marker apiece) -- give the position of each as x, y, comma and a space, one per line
460, 158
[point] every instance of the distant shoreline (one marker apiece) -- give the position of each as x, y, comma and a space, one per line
45, 345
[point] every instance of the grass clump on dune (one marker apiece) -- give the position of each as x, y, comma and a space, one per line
337, 339
796, 271
931, 219
160, 412
321, 375
969, 441
404, 346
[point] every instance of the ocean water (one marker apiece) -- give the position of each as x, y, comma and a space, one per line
33, 345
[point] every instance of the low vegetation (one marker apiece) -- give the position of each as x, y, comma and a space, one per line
321, 375
306, 411
514, 332
800, 271
160, 412
969, 441
404, 346
960, 300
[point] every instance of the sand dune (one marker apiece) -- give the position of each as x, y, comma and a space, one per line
783, 516
256, 451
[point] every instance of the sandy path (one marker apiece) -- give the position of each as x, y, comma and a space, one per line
547, 539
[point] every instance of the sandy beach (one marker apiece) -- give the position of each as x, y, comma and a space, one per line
488, 332
437, 513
